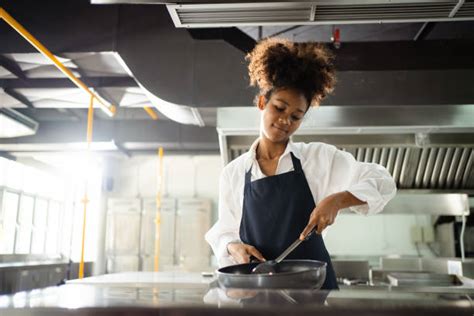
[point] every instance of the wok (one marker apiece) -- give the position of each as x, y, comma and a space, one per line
290, 274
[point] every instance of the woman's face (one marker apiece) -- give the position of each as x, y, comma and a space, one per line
282, 114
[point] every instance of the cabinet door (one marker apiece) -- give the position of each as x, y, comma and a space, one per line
167, 230
167, 234
122, 263
123, 232
123, 227
191, 226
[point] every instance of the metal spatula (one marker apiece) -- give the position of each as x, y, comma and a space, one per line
268, 267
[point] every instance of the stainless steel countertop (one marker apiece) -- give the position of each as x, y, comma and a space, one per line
191, 291
73, 296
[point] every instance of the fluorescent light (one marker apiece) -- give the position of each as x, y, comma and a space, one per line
15, 124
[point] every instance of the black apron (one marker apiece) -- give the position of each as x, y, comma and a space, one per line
276, 210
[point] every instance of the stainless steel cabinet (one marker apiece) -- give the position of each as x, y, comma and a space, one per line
130, 241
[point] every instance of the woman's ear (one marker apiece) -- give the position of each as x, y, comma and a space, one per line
261, 102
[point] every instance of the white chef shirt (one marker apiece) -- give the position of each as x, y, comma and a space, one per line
327, 170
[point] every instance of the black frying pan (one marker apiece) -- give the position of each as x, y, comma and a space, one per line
290, 274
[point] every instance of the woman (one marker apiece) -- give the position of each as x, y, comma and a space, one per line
279, 190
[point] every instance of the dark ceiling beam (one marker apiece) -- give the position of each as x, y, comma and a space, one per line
94, 82
18, 96
232, 35
284, 31
131, 135
424, 30
405, 55
89, 29
12, 67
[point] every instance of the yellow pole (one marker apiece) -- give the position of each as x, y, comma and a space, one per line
109, 109
158, 208
85, 200
81, 264
90, 122
151, 113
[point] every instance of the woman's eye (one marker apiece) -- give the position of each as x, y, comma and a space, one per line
279, 109
295, 118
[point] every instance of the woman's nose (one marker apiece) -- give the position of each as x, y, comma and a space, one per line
284, 120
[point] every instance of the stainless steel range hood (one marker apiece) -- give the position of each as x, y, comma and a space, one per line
428, 148
243, 13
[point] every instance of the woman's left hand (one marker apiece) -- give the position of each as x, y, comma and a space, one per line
326, 211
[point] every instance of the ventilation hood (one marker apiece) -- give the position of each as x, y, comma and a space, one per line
319, 12
427, 148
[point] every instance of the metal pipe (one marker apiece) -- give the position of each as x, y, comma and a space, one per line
159, 184
90, 119
151, 113
107, 108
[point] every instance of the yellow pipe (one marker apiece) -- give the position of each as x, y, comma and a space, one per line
90, 121
158, 209
151, 113
109, 109
81, 264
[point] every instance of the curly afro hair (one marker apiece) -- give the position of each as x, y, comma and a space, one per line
277, 63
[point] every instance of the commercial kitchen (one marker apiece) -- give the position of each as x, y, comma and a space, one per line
118, 117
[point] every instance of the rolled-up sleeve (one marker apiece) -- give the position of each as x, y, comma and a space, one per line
226, 229
369, 182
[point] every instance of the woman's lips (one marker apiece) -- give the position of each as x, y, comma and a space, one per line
281, 129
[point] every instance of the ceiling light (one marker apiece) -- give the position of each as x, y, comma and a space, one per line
15, 124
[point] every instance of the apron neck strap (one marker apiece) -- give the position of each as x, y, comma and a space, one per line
248, 176
296, 163
296, 166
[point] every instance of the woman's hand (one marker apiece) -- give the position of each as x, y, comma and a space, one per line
326, 211
242, 252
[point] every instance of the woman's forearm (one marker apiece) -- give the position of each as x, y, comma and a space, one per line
346, 199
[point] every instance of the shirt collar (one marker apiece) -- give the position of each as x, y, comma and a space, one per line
252, 154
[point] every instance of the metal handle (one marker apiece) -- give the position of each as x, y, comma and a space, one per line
293, 246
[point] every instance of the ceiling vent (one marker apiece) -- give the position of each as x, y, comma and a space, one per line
319, 12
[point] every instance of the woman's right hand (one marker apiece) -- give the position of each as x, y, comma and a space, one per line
242, 252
